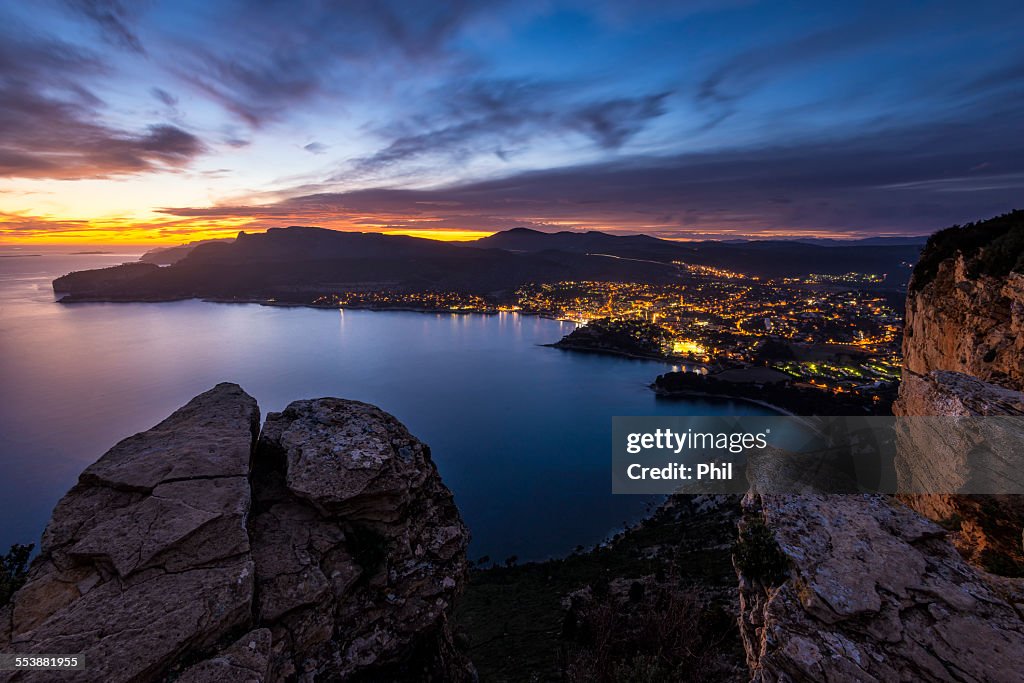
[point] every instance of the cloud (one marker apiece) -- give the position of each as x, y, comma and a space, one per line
799, 50
900, 180
164, 97
112, 18
52, 124
612, 122
273, 56
500, 115
316, 148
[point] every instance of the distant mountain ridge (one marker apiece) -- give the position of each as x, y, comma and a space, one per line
523, 239
165, 256
787, 258
297, 263
527, 239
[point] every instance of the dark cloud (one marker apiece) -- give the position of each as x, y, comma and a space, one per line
165, 97
611, 123
741, 73
51, 124
168, 143
112, 17
315, 147
500, 115
901, 180
785, 52
271, 56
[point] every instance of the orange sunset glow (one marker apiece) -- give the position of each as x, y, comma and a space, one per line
136, 126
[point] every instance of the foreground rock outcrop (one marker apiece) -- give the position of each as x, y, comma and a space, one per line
871, 591
359, 548
328, 549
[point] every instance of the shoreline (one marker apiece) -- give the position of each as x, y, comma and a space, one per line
668, 360
662, 393
69, 301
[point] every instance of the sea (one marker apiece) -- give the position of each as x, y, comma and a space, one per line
520, 432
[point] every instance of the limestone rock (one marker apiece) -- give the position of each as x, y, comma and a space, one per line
963, 353
328, 549
245, 661
959, 434
147, 557
874, 593
947, 393
359, 547
973, 325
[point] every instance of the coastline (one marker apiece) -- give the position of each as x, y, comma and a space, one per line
662, 393
71, 300
668, 360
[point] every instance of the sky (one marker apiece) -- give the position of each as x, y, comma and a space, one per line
151, 122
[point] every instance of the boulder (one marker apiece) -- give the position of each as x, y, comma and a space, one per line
326, 549
360, 550
147, 557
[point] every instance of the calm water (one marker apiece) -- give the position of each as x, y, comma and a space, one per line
521, 433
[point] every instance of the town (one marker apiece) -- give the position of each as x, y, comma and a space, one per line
835, 333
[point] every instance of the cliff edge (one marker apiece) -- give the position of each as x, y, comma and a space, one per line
965, 303
963, 352
864, 588
324, 548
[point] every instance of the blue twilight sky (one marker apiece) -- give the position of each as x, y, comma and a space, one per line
167, 121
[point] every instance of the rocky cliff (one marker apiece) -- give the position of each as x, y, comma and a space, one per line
965, 306
863, 588
963, 354
324, 548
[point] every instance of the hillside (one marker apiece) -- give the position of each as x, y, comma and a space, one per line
297, 264
764, 258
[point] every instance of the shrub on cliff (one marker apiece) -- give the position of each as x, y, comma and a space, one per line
757, 555
993, 247
13, 569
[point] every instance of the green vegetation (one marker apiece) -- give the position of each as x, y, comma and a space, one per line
993, 247
634, 337
13, 570
679, 557
758, 555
